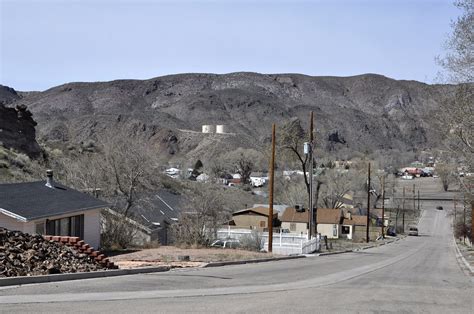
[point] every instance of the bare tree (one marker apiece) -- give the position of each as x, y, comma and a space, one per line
338, 183
291, 141
120, 170
446, 173
243, 161
290, 191
459, 58
198, 224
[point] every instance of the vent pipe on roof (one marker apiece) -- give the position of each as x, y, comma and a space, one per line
49, 179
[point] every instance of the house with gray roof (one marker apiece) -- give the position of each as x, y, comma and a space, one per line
47, 207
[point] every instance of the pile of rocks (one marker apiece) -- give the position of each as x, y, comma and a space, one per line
22, 254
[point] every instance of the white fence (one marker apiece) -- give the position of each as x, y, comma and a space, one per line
282, 244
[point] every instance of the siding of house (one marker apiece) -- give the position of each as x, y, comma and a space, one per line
10, 223
254, 221
327, 230
91, 225
301, 227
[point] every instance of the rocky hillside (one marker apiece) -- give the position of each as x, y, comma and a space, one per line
362, 113
17, 127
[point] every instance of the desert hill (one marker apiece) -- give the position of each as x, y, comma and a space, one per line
360, 113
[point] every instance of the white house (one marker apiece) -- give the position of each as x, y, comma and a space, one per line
46, 207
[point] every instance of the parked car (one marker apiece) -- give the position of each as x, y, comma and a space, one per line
439, 207
413, 231
226, 244
391, 231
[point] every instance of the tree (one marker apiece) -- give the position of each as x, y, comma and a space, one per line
459, 58
446, 173
458, 125
338, 183
290, 191
291, 140
216, 168
198, 224
459, 64
120, 171
457, 111
243, 161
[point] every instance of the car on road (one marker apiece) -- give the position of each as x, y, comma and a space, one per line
391, 231
439, 207
226, 244
413, 231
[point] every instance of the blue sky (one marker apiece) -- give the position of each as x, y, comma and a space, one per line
47, 43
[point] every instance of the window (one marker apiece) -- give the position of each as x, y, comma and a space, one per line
346, 230
68, 226
334, 230
262, 224
292, 226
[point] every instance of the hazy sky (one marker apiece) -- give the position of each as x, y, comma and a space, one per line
47, 43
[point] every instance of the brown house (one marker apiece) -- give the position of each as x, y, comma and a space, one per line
253, 218
351, 223
295, 219
329, 222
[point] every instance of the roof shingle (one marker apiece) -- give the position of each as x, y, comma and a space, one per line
33, 200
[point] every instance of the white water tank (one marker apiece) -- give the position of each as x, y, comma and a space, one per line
207, 128
221, 128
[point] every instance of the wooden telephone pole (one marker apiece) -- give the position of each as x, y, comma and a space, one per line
383, 206
403, 211
311, 205
368, 204
472, 221
270, 192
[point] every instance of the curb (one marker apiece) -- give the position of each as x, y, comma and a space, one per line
14, 281
461, 257
334, 253
252, 261
357, 250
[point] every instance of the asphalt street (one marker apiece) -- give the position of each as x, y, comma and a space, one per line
413, 275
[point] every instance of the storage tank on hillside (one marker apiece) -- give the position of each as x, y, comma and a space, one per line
207, 128
221, 128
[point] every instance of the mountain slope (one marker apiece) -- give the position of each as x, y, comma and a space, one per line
363, 113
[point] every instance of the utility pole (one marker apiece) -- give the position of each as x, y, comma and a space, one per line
383, 206
311, 165
403, 211
455, 211
270, 187
368, 204
472, 221
464, 221
419, 213
396, 219
414, 208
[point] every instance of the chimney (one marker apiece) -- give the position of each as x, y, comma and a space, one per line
49, 179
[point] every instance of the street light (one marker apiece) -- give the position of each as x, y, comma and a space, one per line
308, 151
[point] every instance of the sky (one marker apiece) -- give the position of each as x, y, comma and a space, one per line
46, 43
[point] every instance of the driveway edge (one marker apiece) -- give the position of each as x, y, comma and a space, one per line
14, 281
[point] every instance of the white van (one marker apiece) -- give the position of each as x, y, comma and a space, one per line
413, 231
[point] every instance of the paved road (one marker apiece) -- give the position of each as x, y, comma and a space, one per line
416, 274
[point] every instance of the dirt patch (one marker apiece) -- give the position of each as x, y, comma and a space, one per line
172, 256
